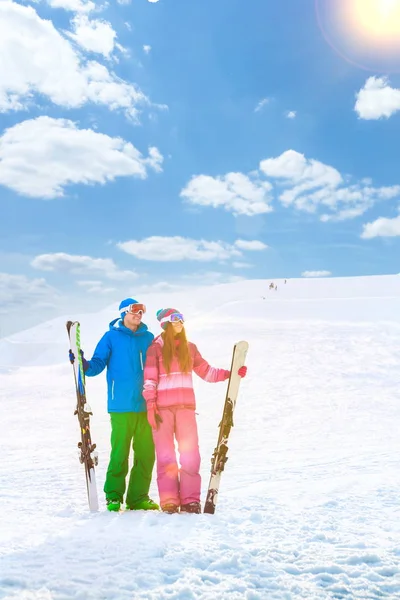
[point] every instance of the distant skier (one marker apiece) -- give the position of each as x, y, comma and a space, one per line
123, 351
168, 389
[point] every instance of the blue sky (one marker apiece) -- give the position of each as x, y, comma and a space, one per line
155, 145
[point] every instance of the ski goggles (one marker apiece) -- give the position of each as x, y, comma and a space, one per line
134, 309
174, 318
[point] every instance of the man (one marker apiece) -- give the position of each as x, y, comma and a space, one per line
123, 351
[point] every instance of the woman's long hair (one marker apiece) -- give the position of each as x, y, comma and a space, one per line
171, 349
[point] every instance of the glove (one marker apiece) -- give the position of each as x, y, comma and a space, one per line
242, 371
153, 416
84, 361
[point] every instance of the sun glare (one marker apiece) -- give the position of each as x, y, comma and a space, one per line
364, 32
377, 19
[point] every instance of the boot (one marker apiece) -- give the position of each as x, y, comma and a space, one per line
113, 505
191, 507
170, 508
146, 504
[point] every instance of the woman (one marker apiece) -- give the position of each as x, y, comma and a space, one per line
168, 390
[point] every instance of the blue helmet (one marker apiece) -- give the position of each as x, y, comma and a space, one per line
125, 304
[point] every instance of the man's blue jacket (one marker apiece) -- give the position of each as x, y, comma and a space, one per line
123, 352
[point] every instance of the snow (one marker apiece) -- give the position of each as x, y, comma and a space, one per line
309, 500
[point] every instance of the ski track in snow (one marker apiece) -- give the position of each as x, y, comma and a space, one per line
309, 500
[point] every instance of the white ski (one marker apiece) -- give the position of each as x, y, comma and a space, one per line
88, 455
219, 456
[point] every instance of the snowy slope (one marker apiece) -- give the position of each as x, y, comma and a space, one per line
371, 299
308, 505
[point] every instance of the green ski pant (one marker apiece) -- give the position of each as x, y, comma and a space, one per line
130, 429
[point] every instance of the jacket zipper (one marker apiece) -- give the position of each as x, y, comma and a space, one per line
141, 359
112, 390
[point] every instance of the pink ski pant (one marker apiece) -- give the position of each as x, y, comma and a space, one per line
177, 485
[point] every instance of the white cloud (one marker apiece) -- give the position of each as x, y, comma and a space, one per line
36, 59
343, 215
166, 249
38, 158
95, 287
235, 192
126, 53
306, 174
78, 264
153, 1
382, 227
291, 114
241, 265
146, 48
261, 104
93, 35
250, 245
77, 6
172, 249
19, 291
316, 274
311, 184
306, 184
155, 159
377, 99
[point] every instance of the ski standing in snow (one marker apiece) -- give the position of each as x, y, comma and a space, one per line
171, 404
219, 456
88, 454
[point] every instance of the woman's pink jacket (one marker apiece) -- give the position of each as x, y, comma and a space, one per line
175, 389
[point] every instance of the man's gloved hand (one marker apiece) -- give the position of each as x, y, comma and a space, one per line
153, 416
84, 361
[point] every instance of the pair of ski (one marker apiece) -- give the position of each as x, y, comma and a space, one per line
88, 455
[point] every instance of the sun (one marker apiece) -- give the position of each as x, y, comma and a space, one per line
366, 33
379, 20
